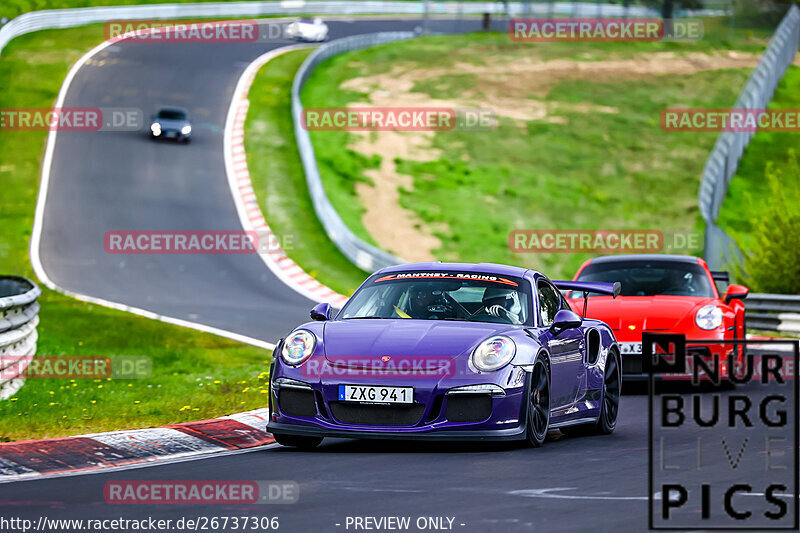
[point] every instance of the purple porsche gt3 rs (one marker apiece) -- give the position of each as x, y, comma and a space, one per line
447, 351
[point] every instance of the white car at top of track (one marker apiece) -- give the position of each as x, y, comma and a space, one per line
306, 29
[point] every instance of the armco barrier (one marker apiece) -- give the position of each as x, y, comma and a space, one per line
362, 254
19, 315
69, 18
773, 312
724, 159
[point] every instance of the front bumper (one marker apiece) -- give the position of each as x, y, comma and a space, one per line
516, 433
171, 134
434, 415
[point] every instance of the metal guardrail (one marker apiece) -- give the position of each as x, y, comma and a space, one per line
19, 316
69, 18
364, 255
773, 312
723, 162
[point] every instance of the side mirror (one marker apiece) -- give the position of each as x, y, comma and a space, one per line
736, 292
565, 319
321, 312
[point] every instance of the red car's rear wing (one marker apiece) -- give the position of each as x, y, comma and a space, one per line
720, 275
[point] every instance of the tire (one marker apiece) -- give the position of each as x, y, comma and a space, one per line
609, 406
538, 407
296, 441
612, 390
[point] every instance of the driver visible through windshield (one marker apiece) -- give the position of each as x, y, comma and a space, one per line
442, 296
650, 278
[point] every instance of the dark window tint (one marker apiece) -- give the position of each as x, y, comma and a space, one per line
549, 302
650, 278
171, 114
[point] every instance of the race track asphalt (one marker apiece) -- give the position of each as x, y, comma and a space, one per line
596, 483
122, 181
116, 181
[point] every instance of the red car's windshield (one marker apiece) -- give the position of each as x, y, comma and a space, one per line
650, 278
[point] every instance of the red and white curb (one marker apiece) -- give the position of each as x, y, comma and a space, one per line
36, 234
244, 196
36, 458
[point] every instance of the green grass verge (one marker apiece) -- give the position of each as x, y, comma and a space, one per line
195, 375
279, 181
749, 189
594, 170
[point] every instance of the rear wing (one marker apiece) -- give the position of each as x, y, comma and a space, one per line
720, 276
611, 289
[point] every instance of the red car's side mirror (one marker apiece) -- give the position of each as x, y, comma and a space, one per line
736, 292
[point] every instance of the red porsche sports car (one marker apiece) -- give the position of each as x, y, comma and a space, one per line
665, 294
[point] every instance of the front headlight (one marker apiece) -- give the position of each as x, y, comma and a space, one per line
708, 317
186, 130
494, 353
298, 347
155, 127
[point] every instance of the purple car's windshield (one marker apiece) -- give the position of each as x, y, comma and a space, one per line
467, 296
650, 278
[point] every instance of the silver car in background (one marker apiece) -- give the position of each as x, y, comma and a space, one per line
306, 29
171, 123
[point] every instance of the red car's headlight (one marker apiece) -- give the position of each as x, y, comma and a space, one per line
708, 317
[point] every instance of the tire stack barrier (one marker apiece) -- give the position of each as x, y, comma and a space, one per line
19, 316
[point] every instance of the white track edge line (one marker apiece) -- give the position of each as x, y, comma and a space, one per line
36, 233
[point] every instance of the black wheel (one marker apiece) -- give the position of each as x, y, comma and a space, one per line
538, 404
612, 389
296, 441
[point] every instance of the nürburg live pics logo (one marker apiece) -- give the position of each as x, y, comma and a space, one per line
723, 443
